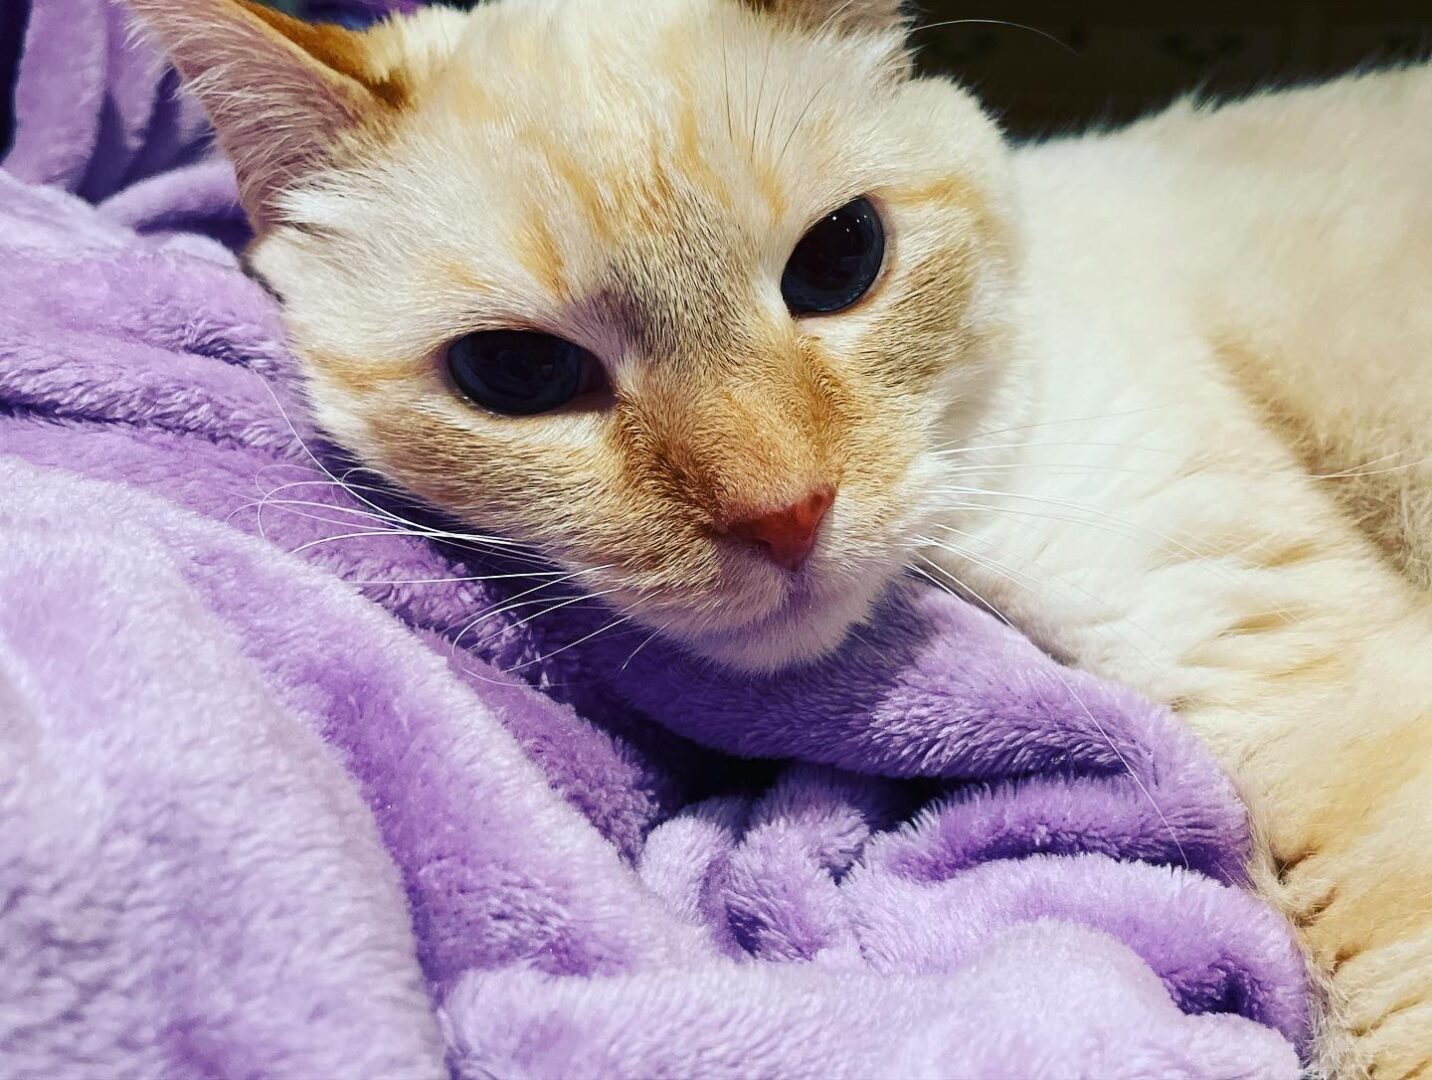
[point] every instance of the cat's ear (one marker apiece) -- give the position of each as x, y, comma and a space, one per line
867, 16
282, 94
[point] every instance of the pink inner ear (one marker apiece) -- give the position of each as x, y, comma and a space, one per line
278, 110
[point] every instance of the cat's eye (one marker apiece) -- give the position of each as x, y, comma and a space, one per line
836, 261
521, 372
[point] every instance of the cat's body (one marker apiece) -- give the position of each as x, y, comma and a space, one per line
1230, 344
1092, 380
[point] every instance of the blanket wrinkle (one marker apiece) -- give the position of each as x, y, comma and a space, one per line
128, 968
1021, 1008
290, 788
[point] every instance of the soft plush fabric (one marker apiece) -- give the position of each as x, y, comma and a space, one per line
297, 782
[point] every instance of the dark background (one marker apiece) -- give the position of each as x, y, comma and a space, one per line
1125, 59
1046, 66
1119, 60
1068, 64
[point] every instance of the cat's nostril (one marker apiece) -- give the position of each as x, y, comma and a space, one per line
789, 534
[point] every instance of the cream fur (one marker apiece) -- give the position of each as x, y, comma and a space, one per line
1161, 396
1223, 305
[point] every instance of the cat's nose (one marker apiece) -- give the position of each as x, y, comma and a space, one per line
786, 535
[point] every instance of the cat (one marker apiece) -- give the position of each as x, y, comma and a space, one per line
721, 306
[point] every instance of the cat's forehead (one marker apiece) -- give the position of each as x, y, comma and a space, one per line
670, 109
632, 52
622, 161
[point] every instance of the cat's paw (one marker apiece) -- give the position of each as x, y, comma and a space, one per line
1364, 913
1381, 1016
1399, 1045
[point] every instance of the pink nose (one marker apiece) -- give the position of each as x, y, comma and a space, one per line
787, 535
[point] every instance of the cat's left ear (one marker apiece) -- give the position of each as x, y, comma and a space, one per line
842, 16
285, 97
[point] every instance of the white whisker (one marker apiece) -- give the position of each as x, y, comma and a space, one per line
613, 624
513, 603
1001, 22
645, 642
1064, 420
1103, 733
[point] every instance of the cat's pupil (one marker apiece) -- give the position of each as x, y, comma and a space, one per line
519, 372
836, 261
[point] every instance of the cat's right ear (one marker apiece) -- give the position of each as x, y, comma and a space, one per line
282, 94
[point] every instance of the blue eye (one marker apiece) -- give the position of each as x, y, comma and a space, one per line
521, 372
836, 261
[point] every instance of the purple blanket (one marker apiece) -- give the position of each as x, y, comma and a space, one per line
296, 780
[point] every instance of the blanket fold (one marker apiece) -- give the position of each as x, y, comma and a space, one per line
293, 785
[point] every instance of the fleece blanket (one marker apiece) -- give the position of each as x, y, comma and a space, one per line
299, 780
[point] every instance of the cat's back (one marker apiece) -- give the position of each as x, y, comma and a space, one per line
1292, 231
1214, 287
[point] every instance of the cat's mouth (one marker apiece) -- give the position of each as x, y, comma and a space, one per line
807, 616
755, 614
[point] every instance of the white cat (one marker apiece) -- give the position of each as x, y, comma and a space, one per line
716, 303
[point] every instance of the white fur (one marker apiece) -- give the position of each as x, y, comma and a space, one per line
1144, 497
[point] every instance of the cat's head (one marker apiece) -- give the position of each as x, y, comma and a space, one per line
544, 261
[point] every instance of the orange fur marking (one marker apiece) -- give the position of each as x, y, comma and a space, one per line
336, 48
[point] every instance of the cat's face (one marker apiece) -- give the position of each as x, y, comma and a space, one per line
632, 177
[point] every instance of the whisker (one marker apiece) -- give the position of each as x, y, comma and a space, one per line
452, 580
1133, 773
1103, 519
622, 616
507, 549
760, 95
1206, 560
1047, 467
1363, 470
776, 110
355, 490
800, 119
613, 624
1063, 420
726, 85
1035, 586
260, 505
986, 447
1103, 733
310, 454
1352, 472
601, 629
645, 642
341, 536
527, 619
835, 14
1098, 519
1002, 22
512, 603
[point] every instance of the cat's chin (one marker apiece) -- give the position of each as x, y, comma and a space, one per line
809, 626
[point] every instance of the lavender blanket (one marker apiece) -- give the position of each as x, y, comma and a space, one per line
297, 782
